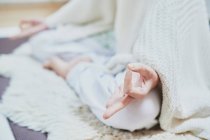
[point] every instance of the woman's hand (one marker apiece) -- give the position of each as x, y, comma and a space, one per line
29, 28
132, 89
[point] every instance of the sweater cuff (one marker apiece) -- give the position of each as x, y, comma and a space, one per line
51, 22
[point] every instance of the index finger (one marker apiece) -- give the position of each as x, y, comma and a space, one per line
127, 81
117, 106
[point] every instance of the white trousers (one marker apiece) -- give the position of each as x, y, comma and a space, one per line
99, 47
93, 84
94, 87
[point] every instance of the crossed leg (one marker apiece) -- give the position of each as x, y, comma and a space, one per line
95, 87
62, 68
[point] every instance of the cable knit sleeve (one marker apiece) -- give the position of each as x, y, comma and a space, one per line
82, 12
175, 41
156, 47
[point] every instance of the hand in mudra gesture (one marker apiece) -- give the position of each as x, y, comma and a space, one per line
139, 81
29, 28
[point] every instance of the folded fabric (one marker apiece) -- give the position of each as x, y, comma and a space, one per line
175, 41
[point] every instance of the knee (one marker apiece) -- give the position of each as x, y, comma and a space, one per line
150, 105
138, 115
41, 47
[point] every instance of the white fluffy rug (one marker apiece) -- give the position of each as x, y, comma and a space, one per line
40, 100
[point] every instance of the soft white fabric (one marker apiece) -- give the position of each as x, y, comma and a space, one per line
124, 16
5, 130
173, 39
98, 13
41, 100
99, 47
95, 89
208, 7
118, 62
53, 107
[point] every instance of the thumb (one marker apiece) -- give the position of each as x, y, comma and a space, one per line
144, 70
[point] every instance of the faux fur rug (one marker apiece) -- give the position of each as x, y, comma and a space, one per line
42, 101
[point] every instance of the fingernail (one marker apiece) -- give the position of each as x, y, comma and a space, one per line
105, 116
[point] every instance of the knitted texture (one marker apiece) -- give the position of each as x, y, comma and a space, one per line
40, 100
174, 40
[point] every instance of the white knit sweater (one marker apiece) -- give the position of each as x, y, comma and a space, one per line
175, 41
172, 36
93, 16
